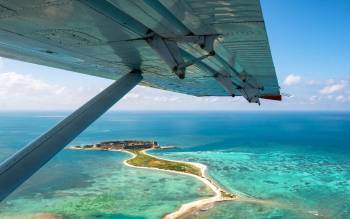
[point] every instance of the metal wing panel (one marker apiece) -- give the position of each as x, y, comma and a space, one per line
143, 12
72, 35
58, 34
241, 24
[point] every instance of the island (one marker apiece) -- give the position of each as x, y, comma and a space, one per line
141, 159
119, 145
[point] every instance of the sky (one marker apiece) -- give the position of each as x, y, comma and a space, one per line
310, 44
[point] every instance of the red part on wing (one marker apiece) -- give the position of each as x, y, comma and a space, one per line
272, 97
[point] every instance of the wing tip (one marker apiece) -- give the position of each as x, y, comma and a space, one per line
272, 97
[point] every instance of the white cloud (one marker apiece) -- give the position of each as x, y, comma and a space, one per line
330, 81
330, 89
164, 99
322, 82
340, 98
22, 91
313, 98
292, 80
313, 82
15, 84
132, 95
343, 98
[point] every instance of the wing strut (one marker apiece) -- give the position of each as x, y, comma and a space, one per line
24, 163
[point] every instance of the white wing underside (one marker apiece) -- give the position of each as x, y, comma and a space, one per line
111, 38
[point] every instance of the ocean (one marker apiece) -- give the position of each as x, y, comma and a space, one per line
300, 160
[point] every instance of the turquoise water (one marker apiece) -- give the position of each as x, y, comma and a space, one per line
298, 160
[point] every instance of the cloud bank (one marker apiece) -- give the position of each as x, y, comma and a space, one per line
334, 88
24, 92
292, 80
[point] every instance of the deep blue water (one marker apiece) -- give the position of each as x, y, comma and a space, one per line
316, 131
299, 158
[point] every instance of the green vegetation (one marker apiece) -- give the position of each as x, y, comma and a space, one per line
144, 160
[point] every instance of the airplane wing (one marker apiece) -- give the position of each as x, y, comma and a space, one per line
196, 47
201, 48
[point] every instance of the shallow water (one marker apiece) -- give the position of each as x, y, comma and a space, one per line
305, 185
301, 160
100, 186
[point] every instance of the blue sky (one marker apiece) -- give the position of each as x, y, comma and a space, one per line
310, 47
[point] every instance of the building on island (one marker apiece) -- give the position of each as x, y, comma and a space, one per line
127, 145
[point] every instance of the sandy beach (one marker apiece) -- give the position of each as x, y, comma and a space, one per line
207, 203
190, 207
220, 194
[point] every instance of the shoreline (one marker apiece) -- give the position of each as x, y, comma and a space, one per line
220, 194
190, 207
194, 205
